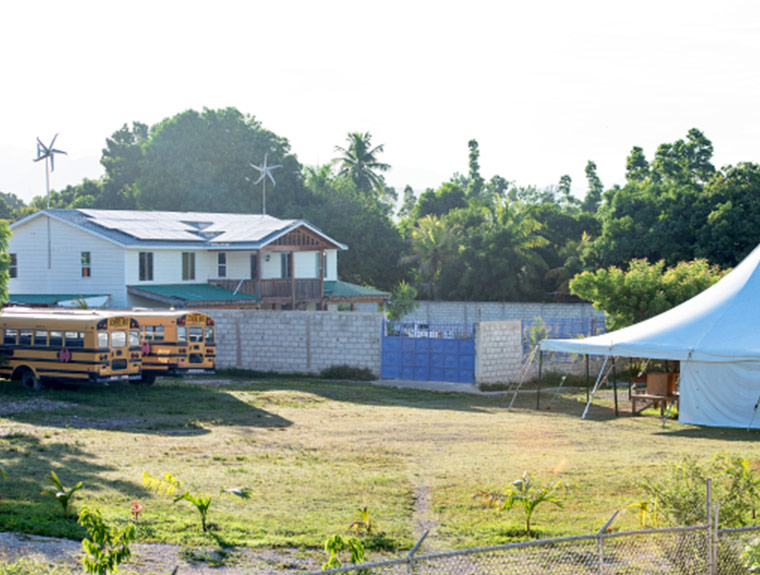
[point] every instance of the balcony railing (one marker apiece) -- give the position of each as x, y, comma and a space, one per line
300, 289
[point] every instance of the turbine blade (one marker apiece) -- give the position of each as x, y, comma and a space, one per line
271, 178
276, 166
261, 177
256, 167
53, 151
52, 142
41, 146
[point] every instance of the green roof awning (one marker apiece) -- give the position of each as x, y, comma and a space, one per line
341, 290
196, 294
48, 299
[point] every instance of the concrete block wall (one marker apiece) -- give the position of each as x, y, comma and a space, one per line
498, 351
308, 342
473, 312
296, 341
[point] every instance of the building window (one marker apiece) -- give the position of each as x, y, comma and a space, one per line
188, 265
324, 264
221, 260
86, 269
286, 258
146, 266
13, 268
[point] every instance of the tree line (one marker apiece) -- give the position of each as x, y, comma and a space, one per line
467, 239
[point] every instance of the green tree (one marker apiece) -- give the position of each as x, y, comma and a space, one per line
644, 290
434, 244
202, 162
402, 301
595, 189
121, 159
408, 202
358, 161
636, 166
361, 221
476, 182
685, 162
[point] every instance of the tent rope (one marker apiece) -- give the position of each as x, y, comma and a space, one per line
515, 387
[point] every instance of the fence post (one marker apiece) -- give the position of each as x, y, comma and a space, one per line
600, 538
710, 557
410, 556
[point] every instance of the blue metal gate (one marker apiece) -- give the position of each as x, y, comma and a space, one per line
428, 352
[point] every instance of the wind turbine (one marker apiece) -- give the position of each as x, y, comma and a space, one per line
47, 153
266, 172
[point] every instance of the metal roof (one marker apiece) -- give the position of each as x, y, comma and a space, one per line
130, 228
181, 294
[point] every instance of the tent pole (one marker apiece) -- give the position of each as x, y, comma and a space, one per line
596, 385
614, 386
588, 378
538, 388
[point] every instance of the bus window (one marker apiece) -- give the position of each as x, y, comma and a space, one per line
210, 335
40, 338
56, 338
158, 334
102, 339
181, 334
118, 339
134, 338
196, 334
74, 339
10, 337
25, 337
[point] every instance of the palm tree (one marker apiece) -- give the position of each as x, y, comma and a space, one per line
359, 162
434, 244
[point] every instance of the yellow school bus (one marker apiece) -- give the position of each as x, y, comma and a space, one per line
176, 342
39, 347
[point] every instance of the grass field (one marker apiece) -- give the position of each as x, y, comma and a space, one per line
314, 451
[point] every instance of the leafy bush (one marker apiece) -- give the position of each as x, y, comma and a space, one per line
347, 372
107, 546
679, 497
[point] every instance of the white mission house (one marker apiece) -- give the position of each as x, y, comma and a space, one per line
130, 258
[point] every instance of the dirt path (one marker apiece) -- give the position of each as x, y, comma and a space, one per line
149, 559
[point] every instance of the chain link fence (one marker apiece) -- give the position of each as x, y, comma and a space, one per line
693, 550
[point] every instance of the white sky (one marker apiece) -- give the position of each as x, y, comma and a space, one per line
543, 86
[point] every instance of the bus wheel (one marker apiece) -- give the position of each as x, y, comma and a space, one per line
148, 379
30, 382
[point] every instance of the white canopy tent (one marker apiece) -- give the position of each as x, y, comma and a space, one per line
716, 337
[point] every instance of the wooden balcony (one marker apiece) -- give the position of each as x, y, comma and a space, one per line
276, 290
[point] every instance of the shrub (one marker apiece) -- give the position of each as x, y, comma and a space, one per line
347, 372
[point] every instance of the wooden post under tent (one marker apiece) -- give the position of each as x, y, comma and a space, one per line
716, 338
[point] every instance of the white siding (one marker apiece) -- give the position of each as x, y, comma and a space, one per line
332, 265
64, 276
305, 264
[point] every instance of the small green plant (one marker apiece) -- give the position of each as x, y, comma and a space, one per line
61, 494
337, 544
525, 494
646, 513
168, 484
364, 524
107, 546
